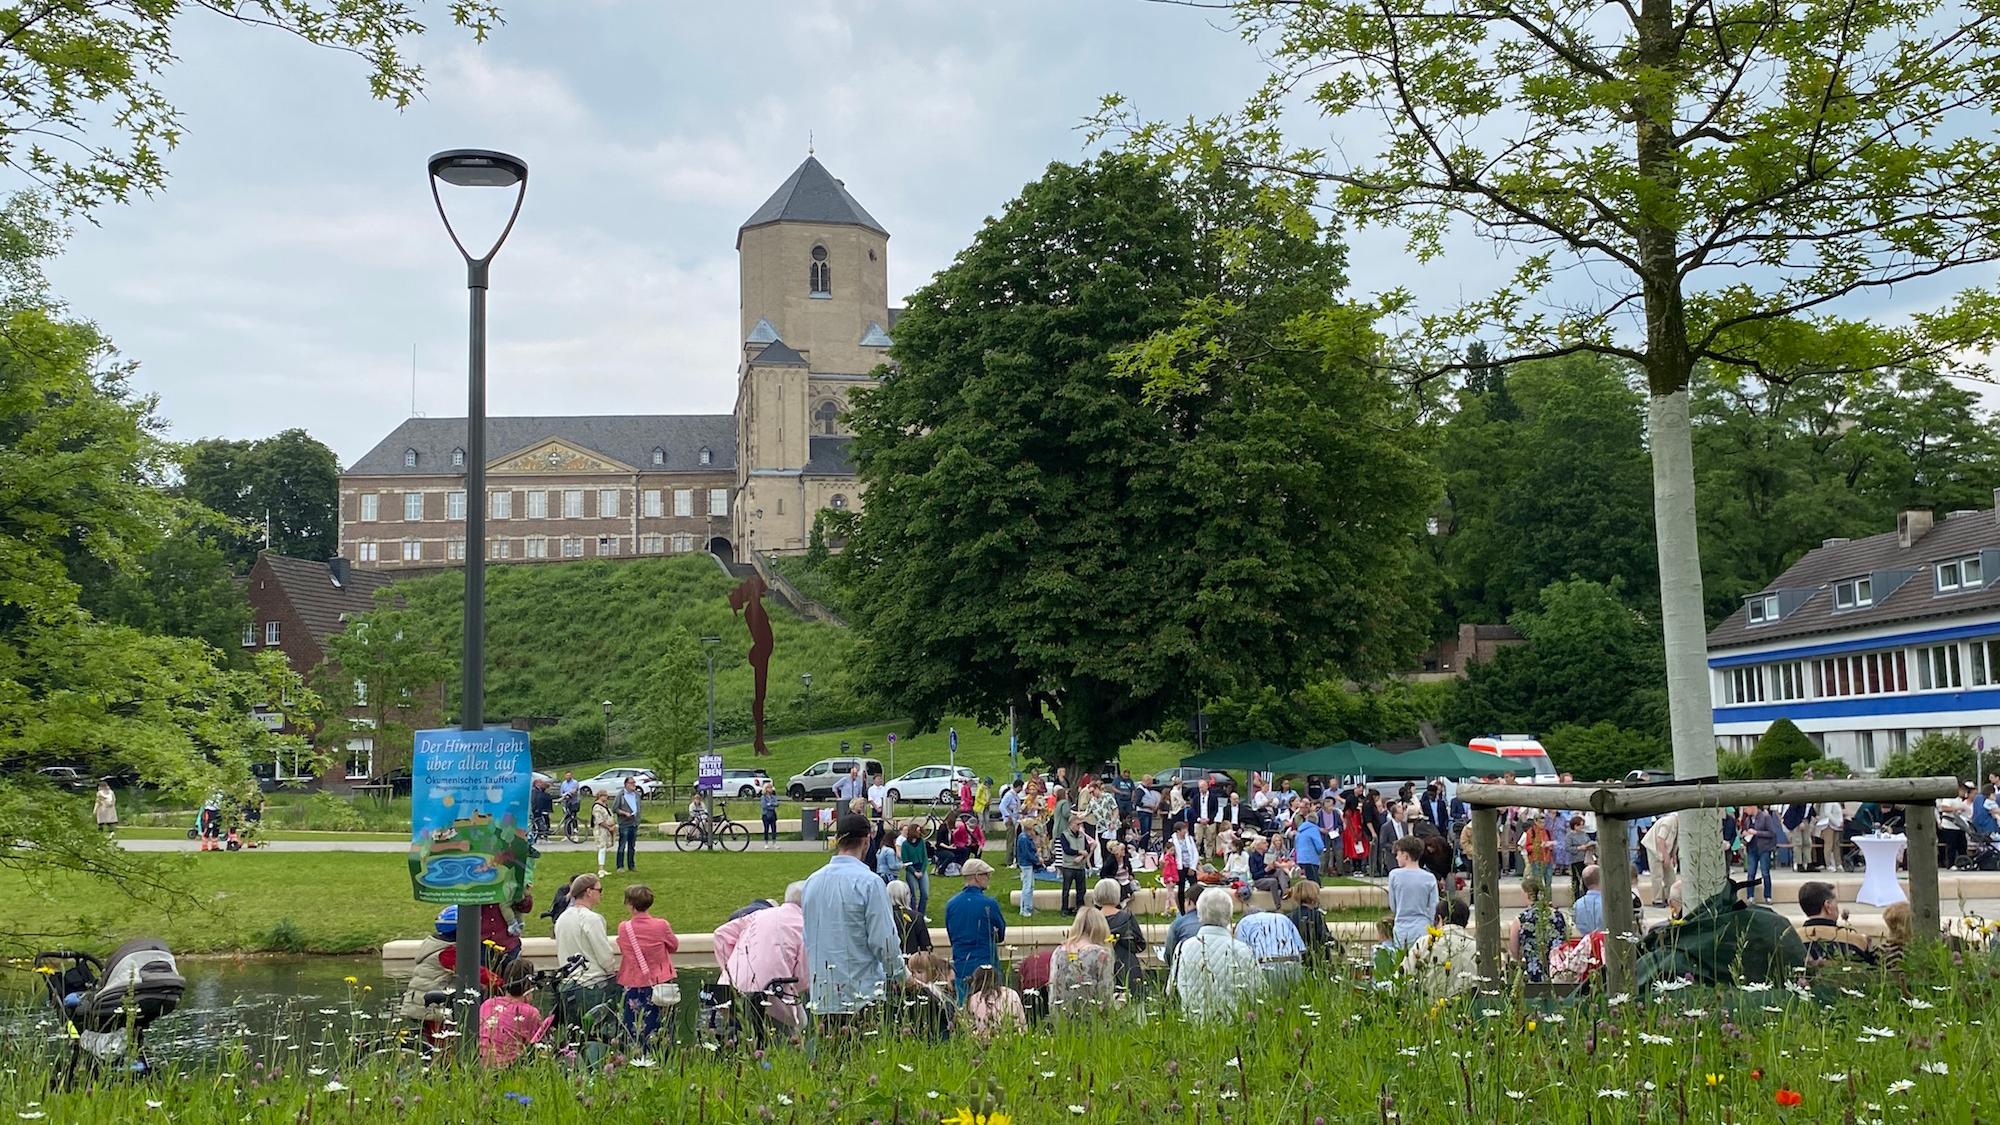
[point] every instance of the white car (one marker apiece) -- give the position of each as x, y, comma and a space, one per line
925, 783
613, 781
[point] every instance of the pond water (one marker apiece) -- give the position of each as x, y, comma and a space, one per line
301, 1008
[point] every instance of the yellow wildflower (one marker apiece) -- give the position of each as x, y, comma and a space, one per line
1712, 1079
352, 980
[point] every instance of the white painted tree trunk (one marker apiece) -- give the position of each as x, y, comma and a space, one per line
1684, 622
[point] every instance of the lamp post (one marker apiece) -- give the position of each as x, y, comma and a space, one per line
807, 679
475, 168
607, 728
708, 644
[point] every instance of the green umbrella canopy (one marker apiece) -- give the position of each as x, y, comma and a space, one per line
1253, 755
1447, 759
1341, 759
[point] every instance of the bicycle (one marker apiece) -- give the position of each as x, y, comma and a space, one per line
717, 831
595, 1031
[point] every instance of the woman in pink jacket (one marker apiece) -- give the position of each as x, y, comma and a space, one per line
764, 946
646, 946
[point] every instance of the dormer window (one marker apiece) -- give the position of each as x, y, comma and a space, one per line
1762, 609
1960, 575
409, 458
820, 274
659, 456
705, 457
458, 458
1855, 593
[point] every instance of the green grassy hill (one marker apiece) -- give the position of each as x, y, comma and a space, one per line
560, 639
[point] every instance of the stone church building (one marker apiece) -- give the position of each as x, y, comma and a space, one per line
815, 321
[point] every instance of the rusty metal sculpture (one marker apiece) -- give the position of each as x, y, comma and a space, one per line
747, 600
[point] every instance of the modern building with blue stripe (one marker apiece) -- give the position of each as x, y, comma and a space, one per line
1867, 644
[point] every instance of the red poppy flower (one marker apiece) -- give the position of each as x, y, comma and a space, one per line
1756, 1074
1789, 1097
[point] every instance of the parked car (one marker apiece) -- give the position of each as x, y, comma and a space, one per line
69, 777
817, 780
1648, 777
925, 783
397, 781
1189, 779
613, 781
744, 783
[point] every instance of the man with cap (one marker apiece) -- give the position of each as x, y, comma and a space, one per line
850, 934
973, 922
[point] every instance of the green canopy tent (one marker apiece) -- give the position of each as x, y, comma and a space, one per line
1341, 759
1253, 755
1446, 759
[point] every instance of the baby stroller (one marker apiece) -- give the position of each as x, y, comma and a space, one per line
1982, 852
108, 1005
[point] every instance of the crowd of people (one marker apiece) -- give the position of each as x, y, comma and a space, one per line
853, 941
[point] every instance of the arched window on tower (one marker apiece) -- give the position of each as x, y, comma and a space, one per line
826, 418
821, 274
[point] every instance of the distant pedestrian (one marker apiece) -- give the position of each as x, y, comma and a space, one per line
628, 826
603, 826
106, 807
767, 806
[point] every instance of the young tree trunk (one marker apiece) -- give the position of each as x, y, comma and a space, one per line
1684, 623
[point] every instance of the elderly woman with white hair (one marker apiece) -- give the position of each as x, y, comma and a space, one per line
1214, 976
913, 931
765, 946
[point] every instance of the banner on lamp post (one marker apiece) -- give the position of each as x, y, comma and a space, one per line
708, 773
469, 798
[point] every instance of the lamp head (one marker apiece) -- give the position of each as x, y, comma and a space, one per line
478, 168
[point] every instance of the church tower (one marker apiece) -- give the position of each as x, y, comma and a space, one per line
815, 319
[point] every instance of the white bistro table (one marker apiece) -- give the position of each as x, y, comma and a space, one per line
1879, 886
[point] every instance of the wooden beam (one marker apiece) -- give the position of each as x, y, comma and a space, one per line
1920, 830
1486, 890
1641, 800
1621, 936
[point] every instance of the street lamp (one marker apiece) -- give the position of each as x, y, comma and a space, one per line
708, 644
607, 727
475, 168
807, 679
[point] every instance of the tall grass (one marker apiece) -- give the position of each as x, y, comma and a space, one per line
1341, 1048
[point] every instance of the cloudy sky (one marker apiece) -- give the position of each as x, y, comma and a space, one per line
294, 262
294, 265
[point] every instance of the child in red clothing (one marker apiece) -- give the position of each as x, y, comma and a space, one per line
508, 1023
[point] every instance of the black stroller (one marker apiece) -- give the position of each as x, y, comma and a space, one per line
107, 1006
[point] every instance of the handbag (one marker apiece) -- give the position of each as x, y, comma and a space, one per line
666, 995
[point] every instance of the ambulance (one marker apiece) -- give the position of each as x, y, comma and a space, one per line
1521, 749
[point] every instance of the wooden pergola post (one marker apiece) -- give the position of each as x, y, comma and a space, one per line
1486, 889
1621, 938
1920, 833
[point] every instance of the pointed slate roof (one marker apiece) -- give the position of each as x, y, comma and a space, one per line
810, 195
762, 333
778, 354
875, 337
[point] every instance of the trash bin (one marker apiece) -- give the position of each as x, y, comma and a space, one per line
808, 823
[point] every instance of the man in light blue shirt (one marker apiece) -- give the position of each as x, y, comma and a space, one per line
849, 787
850, 936
1589, 910
1276, 942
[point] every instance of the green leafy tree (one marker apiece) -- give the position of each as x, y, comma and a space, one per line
1731, 178
78, 457
1546, 479
1782, 746
288, 484
383, 679
1603, 751
1133, 454
1589, 659
1936, 754
181, 587
670, 724
81, 112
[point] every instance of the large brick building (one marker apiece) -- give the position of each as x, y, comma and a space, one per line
815, 320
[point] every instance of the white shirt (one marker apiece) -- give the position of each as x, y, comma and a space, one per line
581, 930
878, 795
1187, 853
1832, 814
1214, 975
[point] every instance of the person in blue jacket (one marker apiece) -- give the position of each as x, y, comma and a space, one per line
973, 922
